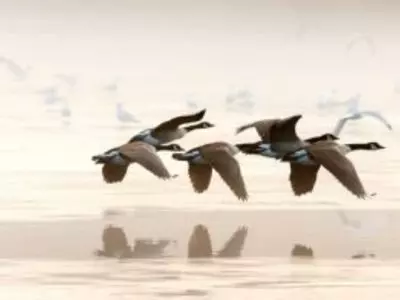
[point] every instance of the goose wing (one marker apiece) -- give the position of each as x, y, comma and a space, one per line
200, 177
199, 245
234, 246
229, 170
378, 116
113, 173
330, 157
145, 155
174, 123
283, 135
262, 127
303, 177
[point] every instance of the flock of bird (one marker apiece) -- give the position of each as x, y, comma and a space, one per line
278, 141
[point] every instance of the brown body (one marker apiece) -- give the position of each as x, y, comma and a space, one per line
117, 160
218, 156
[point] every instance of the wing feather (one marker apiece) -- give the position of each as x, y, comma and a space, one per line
113, 173
200, 177
145, 155
339, 166
229, 170
302, 178
174, 123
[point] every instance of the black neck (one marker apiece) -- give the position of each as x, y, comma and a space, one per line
363, 146
316, 139
170, 147
194, 127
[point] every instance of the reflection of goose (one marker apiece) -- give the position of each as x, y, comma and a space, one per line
346, 221
200, 245
123, 115
365, 231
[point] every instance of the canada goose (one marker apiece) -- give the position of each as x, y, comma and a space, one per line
169, 131
357, 116
264, 149
200, 245
220, 157
117, 160
278, 137
305, 163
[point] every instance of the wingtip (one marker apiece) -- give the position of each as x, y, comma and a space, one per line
243, 198
201, 113
296, 117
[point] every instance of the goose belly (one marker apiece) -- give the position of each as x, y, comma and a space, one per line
195, 157
302, 157
267, 151
117, 159
281, 148
171, 135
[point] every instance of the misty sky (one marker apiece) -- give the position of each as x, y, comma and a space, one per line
282, 45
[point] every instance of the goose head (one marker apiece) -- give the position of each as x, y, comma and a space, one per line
375, 146
206, 124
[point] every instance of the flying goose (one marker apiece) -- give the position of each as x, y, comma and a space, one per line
200, 245
305, 164
117, 160
220, 157
169, 131
278, 137
263, 149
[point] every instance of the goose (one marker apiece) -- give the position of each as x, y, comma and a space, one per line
200, 245
123, 115
306, 162
220, 157
278, 137
263, 149
169, 131
117, 160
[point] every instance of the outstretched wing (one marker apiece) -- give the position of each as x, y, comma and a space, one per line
145, 155
200, 177
234, 246
229, 170
113, 173
302, 178
378, 116
174, 123
283, 135
262, 127
339, 166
